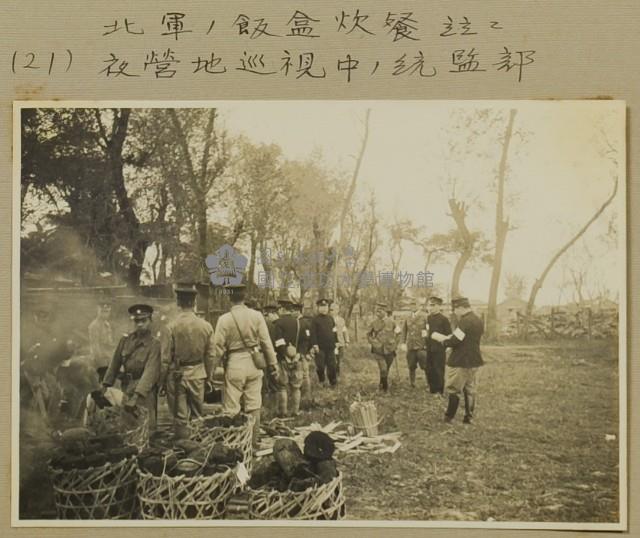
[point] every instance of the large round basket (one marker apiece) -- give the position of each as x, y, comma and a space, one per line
182, 497
325, 502
137, 436
233, 436
105, 492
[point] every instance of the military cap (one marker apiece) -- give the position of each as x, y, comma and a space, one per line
105, 298
140, 311
298, 306
186, 288
270, 307
435, 300
285, 302
460, 301
323, 302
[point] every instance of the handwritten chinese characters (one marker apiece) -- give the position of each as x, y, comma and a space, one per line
404, 39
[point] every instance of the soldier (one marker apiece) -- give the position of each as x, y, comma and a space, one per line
323, 342
342, 333
136, 362
415, 336
465, 359
436, 354
383, 337
189, 365
306, 395
240, 333
287, 344
101, 342
269, 390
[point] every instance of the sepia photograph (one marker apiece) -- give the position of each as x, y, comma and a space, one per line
339, 313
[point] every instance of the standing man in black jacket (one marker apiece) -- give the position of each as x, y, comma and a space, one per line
323, 342
465, 360
436, 354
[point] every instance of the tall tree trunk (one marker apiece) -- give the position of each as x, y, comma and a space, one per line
459, 213
347, 201
502, 229
252, 266
537, 285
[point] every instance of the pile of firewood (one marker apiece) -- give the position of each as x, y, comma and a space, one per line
347, 441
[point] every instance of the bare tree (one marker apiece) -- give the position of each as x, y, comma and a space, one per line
346, 206
502, 228
611, 152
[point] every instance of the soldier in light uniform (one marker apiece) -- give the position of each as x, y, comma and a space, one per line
237, 333
464, 361
101, 343
136, 362
383, 336
189, 365
287, 344
436, 353
323, 342
415, 337
342, 334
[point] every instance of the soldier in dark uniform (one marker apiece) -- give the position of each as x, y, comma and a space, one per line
436, 354
287, 347
305, 352
323, 342
465, 359
136, 362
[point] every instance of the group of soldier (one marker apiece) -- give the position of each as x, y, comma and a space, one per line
425, 337
268, 355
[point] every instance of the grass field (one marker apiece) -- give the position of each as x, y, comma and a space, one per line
537, 450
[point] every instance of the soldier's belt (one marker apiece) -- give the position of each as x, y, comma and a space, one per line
241, 350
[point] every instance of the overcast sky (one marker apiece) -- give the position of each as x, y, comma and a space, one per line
557, 171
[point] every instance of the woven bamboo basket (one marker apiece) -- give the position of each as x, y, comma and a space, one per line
182, 497
105, 492
325, 502
364, 416
138, 436
233, 437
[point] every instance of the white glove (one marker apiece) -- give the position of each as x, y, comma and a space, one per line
403, 347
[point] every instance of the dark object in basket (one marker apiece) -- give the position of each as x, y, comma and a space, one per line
186, 467
210, 470
157, 461
266, 473
225, 421
95, 460
326, 470
118, 454
318, 446
106, 442
224, 455
301, 484
187, 445
161, 439
289, 456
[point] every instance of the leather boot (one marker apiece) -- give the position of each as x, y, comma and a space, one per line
469, 406
452, 407
385, 384
281, 403
295, 402
256, 427
412, 377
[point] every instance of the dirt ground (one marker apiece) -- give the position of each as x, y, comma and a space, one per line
540, 449
537, 451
